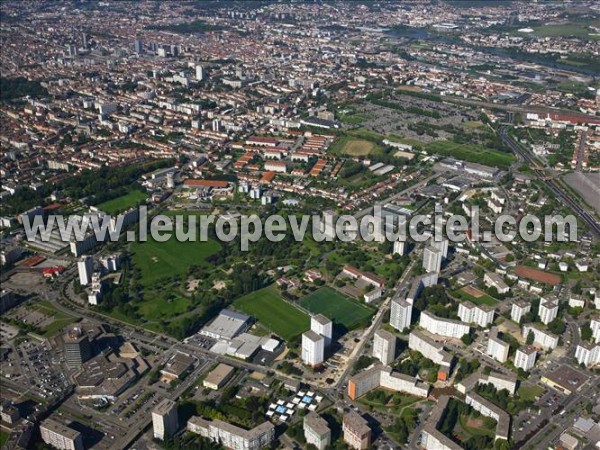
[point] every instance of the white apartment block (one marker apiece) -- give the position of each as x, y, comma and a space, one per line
384, 346
525, 358
595, 326
430, 349
231, 436
164, 419
432, 259
519, 309
399, 247
497, 348
543, 338
442, 246
482, 315
443, 327
500, 381
491, 279
85, 267
588, 354
323, 326
400, 314
316, 431
58, 435
313, 348
548, 310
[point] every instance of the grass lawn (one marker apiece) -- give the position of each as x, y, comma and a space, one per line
336, 307
120, 204
484, 427
483, 300
158, 260
267, 306
61, 319
529, 392
3, 438
348, 145
565, 30
471, 153
158, 308
355, 119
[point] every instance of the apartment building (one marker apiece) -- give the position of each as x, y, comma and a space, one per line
384, 346
548, 310
382, 376
543, 338
525, 358
588, 354
443, 327
313, 348
488, 409
357, 433
519, 309
164, 419
496, 347
316, 431
322, 326
58, 435
400, 314
231, 436
481, 315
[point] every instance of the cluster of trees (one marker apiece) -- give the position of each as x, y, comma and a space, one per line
503, 399
404, 424
12, 88
377, 100
466, 368
450, 418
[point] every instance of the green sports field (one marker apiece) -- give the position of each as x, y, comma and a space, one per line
333, 305
267, 306
158, 260
120, 204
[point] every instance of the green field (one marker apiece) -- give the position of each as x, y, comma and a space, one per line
579, 30
120, 204
529, 392
335, 306
267, 306
61, 320
158, 260
348, 145
483, 300
3, 438
471, 153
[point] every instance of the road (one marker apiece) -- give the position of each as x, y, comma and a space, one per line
553, 185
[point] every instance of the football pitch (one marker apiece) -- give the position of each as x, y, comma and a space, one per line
267, 306
333, 305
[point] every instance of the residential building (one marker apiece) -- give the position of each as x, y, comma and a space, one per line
400, 314
313, 348
494, 280
543, 338
231, 436
399, 247
443, 327
497, 348
519, 309
489, 409
500, 381
431, 437
482, 315
383, 376
165, 420
357, 433
430, 349
85, 267
548, 310
595, 326
322, 326
58, 435
432, 259
316, 431
525, 358
384, 346
588, 354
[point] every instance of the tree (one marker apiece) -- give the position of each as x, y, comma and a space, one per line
557, 326
586, 332
530, 338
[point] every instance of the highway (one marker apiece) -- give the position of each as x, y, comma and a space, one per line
556, 189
